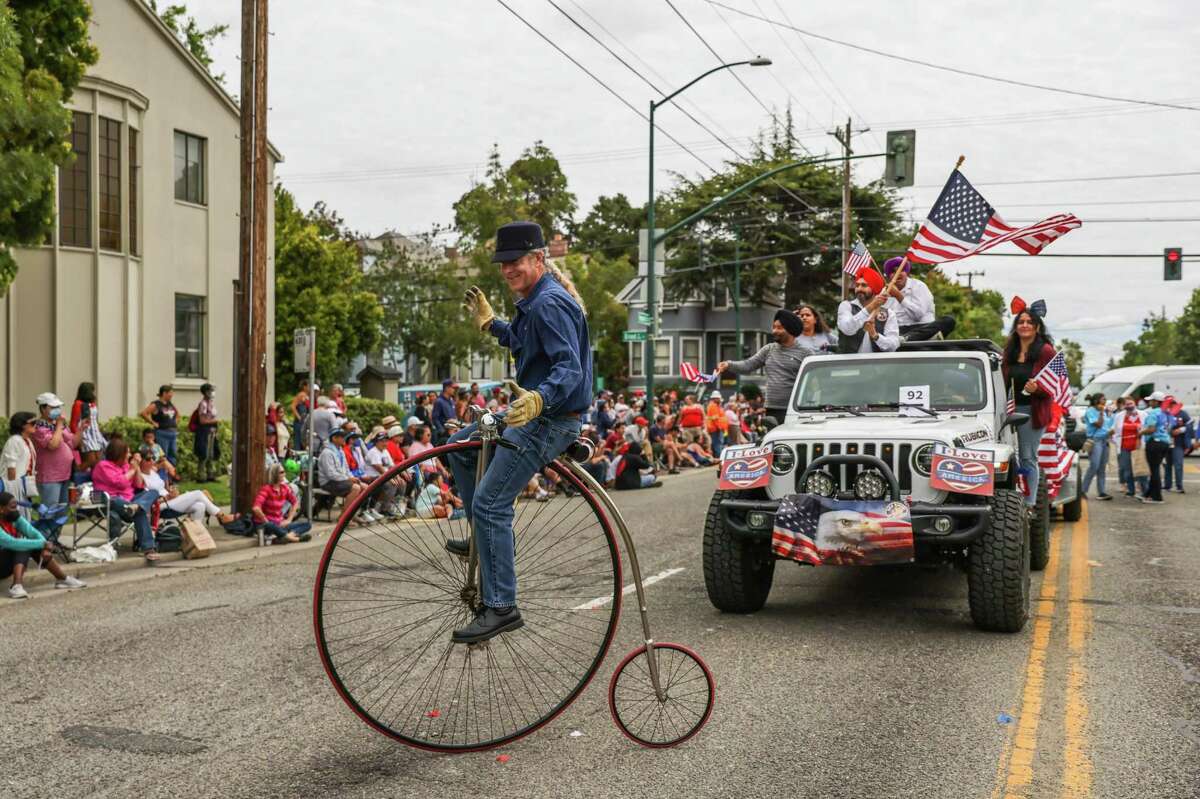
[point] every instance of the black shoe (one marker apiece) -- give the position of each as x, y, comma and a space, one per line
488, 624
1104, 496
129, 512
458, 546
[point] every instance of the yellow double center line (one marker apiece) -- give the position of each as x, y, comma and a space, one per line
1015, 775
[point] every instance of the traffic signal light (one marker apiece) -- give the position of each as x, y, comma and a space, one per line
901, 157
1173, 263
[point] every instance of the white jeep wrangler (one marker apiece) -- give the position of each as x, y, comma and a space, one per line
844, 436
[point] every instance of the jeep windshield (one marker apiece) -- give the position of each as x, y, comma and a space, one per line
954, 385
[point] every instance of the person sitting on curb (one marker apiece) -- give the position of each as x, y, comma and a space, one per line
195, 504
19, 541
333, 473
437, 502
634, 471
268, 510
119, 477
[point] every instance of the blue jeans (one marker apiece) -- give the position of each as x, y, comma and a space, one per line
141, 521
1097, 465
718, 442
274, 530
168, 440
1125, 473
1028, 438
1173, 463
490, 504
53, 493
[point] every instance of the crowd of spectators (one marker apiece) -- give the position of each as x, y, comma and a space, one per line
1151, 438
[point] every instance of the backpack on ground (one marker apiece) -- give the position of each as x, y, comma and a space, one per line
169, 537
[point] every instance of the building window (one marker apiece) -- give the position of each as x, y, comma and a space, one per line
189, 168
133, 178
637, 351
109, 156
720, 295
75, 187
479, 365
662, 356
689, 352
189, 336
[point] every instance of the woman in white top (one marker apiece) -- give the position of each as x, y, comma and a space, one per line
18, 461
196, 504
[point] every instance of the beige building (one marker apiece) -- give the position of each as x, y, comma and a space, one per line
135, 287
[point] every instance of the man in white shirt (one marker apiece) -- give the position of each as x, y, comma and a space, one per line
859, 320
913, 304
379, 460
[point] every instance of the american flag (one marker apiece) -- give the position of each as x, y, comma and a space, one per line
798, 521
962, 223
859, 257
1053, 380
691, 374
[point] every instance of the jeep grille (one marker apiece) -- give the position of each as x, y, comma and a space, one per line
898, 456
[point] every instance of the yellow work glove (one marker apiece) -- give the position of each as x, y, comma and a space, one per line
476, 304
524, 407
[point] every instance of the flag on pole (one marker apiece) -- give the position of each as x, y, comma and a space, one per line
691, 374
859, 257
962, 223
1053, 380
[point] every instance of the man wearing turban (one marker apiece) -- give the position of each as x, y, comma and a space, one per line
867, 323
780, 359
913, 304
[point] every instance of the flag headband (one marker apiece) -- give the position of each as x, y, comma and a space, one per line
1037, 307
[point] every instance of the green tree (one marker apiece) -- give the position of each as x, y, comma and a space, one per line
795, 217
1073, 354
187, 30
54, 37
1158, 343
319, 283
610, 228
1187, 343
598, 279
978, 313
33, 128
421, 294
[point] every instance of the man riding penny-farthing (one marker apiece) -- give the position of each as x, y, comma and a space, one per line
464, 634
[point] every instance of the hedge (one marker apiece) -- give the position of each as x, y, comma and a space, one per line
188, 467
368, 412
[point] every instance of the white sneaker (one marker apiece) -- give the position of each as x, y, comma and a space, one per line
18, 592
542, 495
70, 583
368, 515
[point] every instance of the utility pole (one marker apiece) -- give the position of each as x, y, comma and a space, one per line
843, 136
969, 275
249, 425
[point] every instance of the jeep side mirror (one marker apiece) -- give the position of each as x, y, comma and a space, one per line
769, 423
1076, 440
1015, 420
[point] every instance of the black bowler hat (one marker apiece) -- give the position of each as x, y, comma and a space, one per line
516, 239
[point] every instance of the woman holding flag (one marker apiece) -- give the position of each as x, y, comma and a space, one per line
1028, 350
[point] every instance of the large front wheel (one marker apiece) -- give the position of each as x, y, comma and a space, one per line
388, 595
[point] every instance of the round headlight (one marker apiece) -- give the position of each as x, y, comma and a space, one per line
870, 485
922, 460
820, 483
783, 459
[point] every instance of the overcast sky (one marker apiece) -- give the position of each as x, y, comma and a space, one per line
386, 110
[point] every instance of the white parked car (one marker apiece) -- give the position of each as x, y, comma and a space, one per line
844, 436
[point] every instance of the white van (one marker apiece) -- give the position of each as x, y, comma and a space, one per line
1182, 382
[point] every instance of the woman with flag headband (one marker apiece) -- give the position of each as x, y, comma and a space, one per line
1027, 353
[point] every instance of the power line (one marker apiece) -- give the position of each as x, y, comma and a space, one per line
607, 88
956, 70
720, 60
1065, 180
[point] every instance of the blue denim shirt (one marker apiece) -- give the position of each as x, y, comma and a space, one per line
1095, 427
549, 341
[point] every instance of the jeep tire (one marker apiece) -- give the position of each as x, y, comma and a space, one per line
1039, 529
998, 567
1073, 511
737, 570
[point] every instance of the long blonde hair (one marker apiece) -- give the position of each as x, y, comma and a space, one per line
565, 279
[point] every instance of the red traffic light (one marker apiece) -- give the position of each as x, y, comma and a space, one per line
1173, 255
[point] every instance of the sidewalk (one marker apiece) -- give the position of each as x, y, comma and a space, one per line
128, 560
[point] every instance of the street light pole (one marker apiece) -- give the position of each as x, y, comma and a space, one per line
653, 241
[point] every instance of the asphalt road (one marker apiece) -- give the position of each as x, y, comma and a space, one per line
850, 683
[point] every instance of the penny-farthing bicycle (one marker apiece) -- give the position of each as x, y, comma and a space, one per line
388, 595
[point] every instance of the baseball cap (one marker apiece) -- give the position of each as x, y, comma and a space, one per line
1157, 396
447, 383
412, 422
641, 420
48, 398
715, 395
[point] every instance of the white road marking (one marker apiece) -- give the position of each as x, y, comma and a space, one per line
601, 601
1156, 561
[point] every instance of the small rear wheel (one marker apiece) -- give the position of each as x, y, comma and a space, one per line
688, 688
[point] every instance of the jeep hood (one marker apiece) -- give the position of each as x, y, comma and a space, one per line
973, 430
